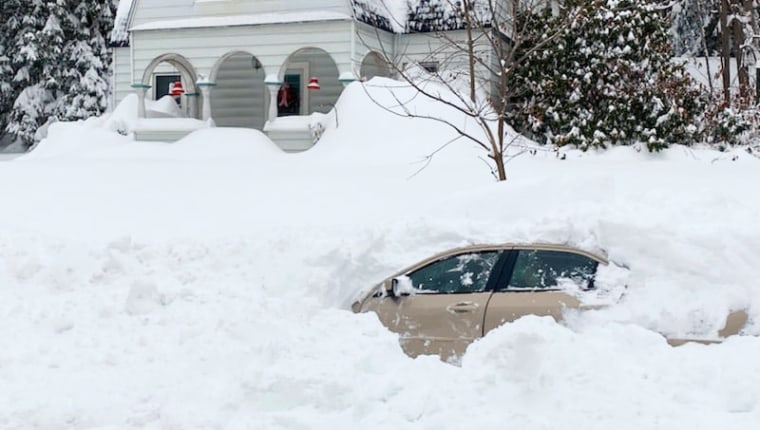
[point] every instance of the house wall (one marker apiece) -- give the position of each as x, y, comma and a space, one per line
271, 44
427, 47
122, 75
369, 39
160, 10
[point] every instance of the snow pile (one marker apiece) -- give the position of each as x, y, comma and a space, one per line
161, 113
205, 284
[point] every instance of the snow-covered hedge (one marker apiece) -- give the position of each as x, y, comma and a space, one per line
606, 78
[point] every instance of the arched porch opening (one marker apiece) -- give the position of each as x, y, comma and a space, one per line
374, 64
294, 98
240, 97
166, 69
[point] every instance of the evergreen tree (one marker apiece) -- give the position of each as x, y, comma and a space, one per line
28, 58
9, 24
608, 80
58, 55
85, 82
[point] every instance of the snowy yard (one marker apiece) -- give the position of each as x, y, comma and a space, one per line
205, 284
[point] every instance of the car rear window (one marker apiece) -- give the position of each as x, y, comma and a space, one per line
540, 269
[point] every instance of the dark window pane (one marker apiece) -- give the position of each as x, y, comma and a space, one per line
430, 66
536, 269
465, 273
163, 84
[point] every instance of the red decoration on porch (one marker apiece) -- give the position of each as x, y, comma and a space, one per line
175, 89
313, 84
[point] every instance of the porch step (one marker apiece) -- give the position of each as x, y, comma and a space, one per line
165, 129
291, 133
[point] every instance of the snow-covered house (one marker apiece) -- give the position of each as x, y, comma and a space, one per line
248, 63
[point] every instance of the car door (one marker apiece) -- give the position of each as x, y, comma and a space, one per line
439, 307
534, 281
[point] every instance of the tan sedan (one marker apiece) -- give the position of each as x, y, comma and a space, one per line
442, 304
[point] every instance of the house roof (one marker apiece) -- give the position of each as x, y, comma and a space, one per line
240, 20
397, 16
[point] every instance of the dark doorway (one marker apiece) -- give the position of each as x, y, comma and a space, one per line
288, 98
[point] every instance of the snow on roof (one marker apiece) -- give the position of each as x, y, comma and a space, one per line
237, 20
410, 16
119, 34
388, 15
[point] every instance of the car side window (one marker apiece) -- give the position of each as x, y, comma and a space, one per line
540, 269
464, 273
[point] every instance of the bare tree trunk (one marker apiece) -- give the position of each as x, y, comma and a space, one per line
738, 48
487, 32
470, 47
752, 44
706, 52
725, 53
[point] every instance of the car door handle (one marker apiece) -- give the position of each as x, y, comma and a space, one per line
462, 307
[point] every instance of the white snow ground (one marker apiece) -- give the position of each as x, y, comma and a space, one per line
205, 284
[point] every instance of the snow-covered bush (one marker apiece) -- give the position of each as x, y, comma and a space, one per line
607, 79
726, 126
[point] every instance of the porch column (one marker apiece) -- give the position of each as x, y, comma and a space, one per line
140, 89
192, 104
206, 93
273, 83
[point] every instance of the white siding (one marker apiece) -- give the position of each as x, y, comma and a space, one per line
160, 10
370, 39
427, 47
271, 44
122, 75
240, 96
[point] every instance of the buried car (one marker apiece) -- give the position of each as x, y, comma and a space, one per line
442, 304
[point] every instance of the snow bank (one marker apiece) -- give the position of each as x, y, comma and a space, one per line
204, 284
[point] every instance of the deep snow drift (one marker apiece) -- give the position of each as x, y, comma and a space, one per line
205, 284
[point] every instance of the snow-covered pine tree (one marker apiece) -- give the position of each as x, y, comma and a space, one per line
85, 82
6, 86
9, 24
61, 62
609, 79
29, 56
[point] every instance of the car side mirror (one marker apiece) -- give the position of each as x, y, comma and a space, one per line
394, 288
391, 287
